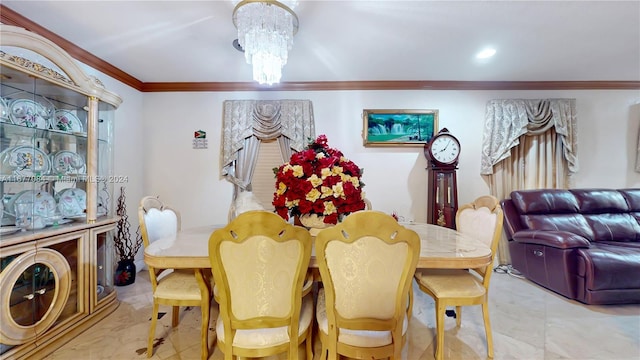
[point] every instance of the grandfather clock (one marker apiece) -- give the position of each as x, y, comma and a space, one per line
442, 153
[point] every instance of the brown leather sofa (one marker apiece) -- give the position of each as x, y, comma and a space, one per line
581, 243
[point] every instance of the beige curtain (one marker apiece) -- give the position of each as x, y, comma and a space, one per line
248, 122
528, 144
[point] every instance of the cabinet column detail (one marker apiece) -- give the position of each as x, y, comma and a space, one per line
92, 160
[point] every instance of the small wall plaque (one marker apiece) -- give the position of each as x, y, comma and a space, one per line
200, 139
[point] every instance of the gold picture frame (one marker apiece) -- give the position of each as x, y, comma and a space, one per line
383, 127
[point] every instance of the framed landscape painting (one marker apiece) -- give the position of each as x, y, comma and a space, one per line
399, 127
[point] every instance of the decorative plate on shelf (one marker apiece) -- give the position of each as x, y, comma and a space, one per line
28, 113
66, 120
4, 111
9, 208
80, 218
56, 219
72, 202
25, 161
6, 230
43, 203
66, 162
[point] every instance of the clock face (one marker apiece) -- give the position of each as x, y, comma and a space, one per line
445, 149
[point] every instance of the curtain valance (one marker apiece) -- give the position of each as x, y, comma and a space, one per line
266, 120
508, 119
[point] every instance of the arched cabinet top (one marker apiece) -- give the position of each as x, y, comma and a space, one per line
63, 70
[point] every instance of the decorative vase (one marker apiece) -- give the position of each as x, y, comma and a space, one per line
125, 272
314, 223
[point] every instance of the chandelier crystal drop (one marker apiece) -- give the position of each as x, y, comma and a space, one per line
265, 32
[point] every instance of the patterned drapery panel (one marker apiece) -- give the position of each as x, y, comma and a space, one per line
528, 144
508, 119
266, 120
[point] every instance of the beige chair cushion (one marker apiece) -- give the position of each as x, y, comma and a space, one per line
271, 265
451, 283
306, 288
369, 268
361, 338
267, 337
178, 286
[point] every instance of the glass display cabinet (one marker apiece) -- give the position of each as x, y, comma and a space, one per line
56, 181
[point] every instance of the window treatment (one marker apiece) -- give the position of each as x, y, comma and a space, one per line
528, 144
248, 122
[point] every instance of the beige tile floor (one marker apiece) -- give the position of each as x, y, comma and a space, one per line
528, 323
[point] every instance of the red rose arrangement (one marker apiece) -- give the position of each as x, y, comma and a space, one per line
318, 180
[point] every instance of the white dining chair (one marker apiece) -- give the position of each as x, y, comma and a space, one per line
171, 287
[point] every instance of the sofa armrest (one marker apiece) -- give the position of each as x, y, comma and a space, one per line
553, 238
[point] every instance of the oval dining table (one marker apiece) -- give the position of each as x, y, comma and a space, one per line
440, 248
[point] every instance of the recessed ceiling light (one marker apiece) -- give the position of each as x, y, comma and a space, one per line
486, 53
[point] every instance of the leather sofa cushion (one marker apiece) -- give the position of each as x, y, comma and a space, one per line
598, 201
595, 214
633, 199
609, 266
614, 227
545, 201
574, 223
552, 238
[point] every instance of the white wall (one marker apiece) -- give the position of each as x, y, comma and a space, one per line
129, 139
153, 149
395, 178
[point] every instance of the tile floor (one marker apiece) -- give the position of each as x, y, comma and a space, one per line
528, 323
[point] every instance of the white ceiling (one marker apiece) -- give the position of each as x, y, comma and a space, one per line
191, 41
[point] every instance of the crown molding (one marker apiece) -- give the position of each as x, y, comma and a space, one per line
390, 85
10, 17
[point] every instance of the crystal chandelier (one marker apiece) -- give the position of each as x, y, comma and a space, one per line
265, 33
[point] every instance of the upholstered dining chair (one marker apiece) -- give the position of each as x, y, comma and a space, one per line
259, 264
367, 263
481, 219
173, 288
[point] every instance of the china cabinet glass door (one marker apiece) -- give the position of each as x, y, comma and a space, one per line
102, 241
39, 288
44, 149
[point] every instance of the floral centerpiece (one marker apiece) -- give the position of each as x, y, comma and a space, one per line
318, 180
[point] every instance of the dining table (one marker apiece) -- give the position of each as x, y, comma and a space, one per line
440, 248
